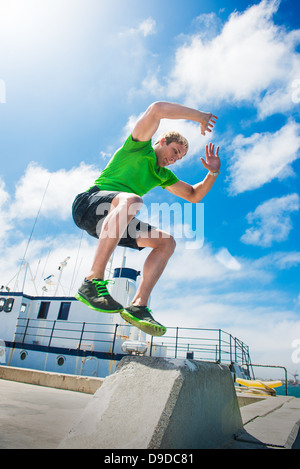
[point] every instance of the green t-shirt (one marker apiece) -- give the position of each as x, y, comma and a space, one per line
133, 168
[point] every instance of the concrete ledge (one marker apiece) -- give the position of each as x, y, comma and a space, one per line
246, 399
152, 403
272, 423
264, 407
77, 383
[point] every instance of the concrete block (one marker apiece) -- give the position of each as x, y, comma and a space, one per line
159, 403
76, 383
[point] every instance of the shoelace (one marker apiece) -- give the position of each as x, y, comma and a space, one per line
149, 311
101, 286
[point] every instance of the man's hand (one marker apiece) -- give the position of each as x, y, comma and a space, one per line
207, 122
212, 161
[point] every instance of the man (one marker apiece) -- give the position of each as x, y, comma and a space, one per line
107, 210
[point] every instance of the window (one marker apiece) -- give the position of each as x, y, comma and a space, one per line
60, 360
64, 310
23, 355
23, 308
8, 305
43, 311
2, 303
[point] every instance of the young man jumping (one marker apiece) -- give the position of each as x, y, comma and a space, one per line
107, 210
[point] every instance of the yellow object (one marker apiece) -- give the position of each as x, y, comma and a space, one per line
259, 384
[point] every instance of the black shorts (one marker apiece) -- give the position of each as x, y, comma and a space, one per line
90, 208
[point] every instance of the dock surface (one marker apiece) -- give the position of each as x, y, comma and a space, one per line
272, 423
36, 417
39, 417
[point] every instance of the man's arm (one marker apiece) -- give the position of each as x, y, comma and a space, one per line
196, 192
148, 124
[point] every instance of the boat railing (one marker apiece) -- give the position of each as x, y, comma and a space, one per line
214, 345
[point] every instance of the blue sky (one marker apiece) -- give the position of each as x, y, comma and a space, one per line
74, 77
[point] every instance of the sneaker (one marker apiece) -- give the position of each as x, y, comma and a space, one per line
140, 316
95, 295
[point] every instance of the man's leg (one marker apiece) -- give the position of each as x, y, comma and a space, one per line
163, 246
137, 313
93, 291
123, 208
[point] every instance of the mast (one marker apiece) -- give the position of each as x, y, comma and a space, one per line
23, 261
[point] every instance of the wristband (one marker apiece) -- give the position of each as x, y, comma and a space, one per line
214, 173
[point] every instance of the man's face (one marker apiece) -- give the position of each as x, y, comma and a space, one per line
169, 154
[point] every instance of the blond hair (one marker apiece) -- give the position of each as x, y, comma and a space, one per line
173, 136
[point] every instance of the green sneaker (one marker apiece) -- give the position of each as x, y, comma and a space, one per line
95, 295
140, 316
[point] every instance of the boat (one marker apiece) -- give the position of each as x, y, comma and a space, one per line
256, 383
256, 386
60, 334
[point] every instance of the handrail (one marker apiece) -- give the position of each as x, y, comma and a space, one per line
203, 344
277, 366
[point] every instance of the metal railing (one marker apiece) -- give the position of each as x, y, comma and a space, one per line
213, 345
279, 367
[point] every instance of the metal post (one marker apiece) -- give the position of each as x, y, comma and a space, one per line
230, 348
176, 342
220, 352
114, 339
81, 335
51, 335
277, 366
235, 351
26, 327
151, 345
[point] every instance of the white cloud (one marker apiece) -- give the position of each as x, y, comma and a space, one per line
5, 222
41, 265
250, 56
271, 221
207, 268
260, 317
25, 204
63, 187
225, 258
145, 28
238, 300
3, 194
286, 260
262, 157
151, 85
208, 272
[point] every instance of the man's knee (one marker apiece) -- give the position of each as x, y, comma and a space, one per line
167, 244
157, 239
172, 244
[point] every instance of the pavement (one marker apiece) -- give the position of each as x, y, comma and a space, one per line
36, 417
39, 417
271, 423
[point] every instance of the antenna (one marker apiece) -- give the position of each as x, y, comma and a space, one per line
63, 264
30, 237
75, 267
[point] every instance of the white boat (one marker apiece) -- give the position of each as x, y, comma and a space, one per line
60, 334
